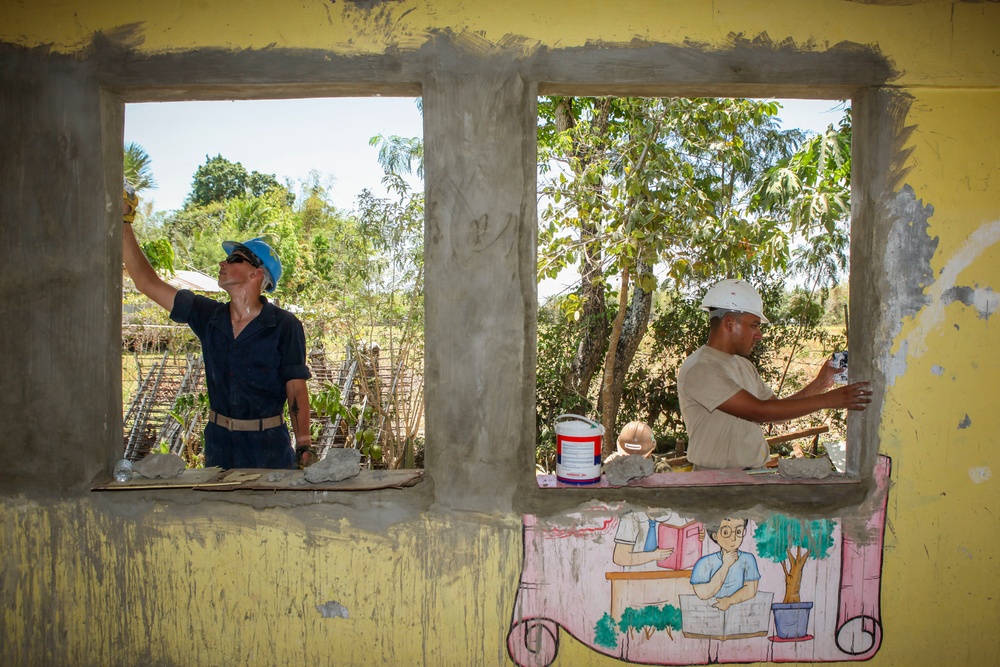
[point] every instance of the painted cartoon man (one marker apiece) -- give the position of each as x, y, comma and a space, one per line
635, 541
636, 537
728, 575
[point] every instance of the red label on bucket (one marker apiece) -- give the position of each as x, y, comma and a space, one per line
578, 459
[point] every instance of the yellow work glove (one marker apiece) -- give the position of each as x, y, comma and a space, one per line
129, 204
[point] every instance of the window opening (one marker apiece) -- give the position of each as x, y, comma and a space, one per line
673, 195
335, 185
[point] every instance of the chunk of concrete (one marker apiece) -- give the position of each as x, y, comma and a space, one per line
338, 464
160, 466
620, 470
803, 468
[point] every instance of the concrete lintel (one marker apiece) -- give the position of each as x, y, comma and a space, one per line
751, 70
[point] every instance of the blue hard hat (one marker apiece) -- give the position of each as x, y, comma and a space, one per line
265, 253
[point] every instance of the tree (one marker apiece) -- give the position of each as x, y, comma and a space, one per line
138, 167
792, 543
138, 170
811, 190
632, 184
384, 263
219, 180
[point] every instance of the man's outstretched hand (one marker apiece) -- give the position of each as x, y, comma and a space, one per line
855, 396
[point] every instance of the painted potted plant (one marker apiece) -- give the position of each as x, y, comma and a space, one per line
791, 543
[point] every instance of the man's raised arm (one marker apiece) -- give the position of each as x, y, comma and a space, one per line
139, 269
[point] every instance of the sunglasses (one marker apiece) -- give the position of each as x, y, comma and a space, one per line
239, 259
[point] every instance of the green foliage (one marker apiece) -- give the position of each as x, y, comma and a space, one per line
219, 180
606, 632
811, 190
160, 254
555, 351
691, 187
189, 406
138, 167
780, 534
659, 181
399, 157
187, 410
329, 403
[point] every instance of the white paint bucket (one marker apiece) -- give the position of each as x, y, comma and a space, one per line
578, 450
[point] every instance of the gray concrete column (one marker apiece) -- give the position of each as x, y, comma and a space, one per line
479, 139
60, 384
878, 196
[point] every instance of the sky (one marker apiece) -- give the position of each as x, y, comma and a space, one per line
286, 138
291, 138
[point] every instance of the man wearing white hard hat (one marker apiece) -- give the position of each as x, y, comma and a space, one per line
254, 353
722, 398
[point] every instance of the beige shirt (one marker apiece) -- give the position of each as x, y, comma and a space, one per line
707, 379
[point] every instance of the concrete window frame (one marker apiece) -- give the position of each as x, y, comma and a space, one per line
877, 139
185, 328
480, 119
125, 91
675, 480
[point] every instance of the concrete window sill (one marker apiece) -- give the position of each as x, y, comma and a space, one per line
702, 478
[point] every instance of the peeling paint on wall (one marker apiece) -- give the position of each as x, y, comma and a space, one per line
965, 423
332, 609
908, 259
916, 293
985, 300
980, 475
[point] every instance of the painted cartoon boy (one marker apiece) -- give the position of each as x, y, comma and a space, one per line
729, 575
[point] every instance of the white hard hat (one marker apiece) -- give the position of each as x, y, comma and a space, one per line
736, 295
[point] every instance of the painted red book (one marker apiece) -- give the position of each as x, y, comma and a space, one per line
683, 540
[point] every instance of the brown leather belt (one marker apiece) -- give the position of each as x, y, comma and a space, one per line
244, 424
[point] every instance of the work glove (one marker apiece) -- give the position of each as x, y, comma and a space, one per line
305, 456
130, 202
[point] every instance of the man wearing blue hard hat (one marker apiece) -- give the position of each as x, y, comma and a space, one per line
254, 353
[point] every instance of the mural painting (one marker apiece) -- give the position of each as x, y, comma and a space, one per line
670, 590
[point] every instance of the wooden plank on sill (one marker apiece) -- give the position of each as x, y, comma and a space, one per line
216, 479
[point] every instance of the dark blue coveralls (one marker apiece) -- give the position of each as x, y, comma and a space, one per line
246, 378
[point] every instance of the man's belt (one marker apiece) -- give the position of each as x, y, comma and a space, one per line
244, 424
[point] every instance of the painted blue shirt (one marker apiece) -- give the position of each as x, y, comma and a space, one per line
742, 571
246, 377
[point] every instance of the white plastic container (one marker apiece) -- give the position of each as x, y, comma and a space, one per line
840, 361
578, 450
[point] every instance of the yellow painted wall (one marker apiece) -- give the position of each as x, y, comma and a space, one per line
932, 43
164, 583
177, 586
943, 507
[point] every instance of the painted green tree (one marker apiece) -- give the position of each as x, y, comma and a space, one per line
650, 619
606, 632
791, 543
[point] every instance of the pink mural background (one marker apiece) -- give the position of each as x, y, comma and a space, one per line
569, 583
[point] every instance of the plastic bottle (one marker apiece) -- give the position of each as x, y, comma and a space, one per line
123, 471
